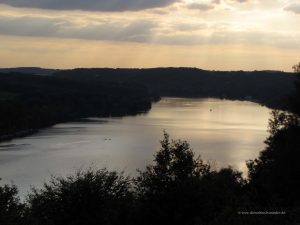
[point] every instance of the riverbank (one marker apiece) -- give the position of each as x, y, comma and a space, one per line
30, 102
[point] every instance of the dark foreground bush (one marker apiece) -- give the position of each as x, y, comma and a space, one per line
11, 210
178, 188
89, 197
181, 189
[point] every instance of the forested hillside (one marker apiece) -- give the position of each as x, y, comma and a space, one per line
29, 70
270, 88
29, 102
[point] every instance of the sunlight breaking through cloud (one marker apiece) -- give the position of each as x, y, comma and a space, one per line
170, 23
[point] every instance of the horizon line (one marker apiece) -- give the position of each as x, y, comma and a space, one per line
143, 68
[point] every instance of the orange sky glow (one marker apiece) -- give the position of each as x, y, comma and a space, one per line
208, 34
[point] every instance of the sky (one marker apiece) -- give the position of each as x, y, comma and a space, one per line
208, 34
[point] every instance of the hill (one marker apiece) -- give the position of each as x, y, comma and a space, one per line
269, 88
29, 70
30, 102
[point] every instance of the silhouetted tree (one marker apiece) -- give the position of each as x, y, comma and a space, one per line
87, 198
274, 177
11, 209
182, 189
295, 99
280, 158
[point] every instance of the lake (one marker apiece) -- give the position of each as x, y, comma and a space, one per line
225, 132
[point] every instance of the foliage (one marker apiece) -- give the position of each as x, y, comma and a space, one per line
274, 177
297, 68
174, 163
182, 189
295, 97
178, 188
11, 210
266, 87
89, 197
277, 169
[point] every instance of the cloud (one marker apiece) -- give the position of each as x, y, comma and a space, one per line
200, 6
216, 2
135, 31
204, 5
293, 7
145, 30
90, 5
189, 27
239, 1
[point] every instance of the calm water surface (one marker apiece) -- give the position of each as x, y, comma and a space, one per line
227, 132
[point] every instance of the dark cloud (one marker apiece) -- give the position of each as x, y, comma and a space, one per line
239, 1
188, 27
216, 2
204, 6
136, 31
90, 5
200, 6
294, 7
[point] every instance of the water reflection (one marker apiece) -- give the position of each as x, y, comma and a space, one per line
228, 132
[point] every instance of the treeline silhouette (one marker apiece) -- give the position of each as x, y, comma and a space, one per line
269, 88
29, 70
29, 102
178, 188
266, 87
